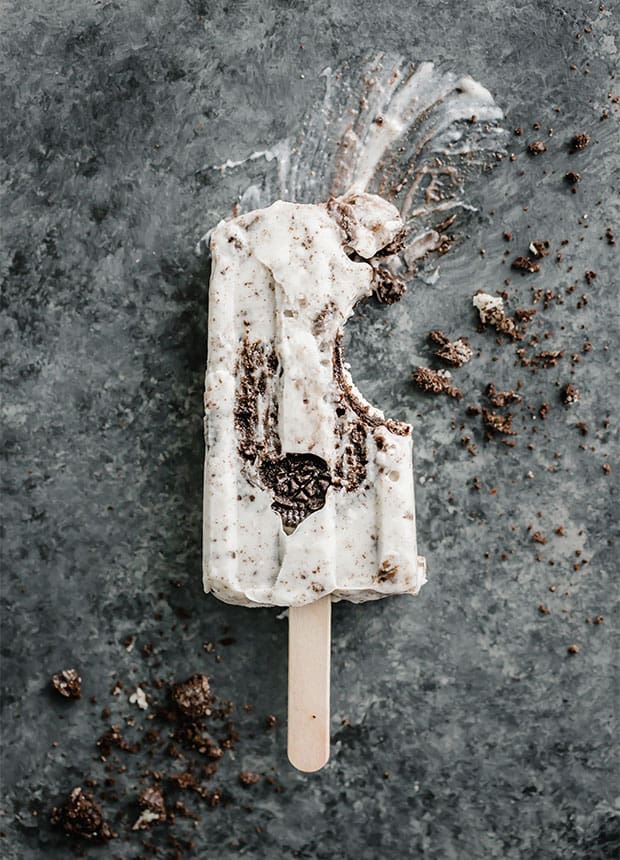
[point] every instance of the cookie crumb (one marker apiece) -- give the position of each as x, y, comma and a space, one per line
573, 649
570, 394
387, 287
80, 815
68, 684
548, 357
580, 141
491, 311
501, 398
496, 423
537, 147
525, 264
539, 248
151, 801
456, 352
193, 697
435, 381
247, 778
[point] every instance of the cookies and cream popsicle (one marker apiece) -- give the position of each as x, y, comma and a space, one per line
309, 493
308, 488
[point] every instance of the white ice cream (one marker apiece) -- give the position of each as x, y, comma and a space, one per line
278, 398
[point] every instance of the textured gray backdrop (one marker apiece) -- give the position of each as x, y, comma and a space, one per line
462, 728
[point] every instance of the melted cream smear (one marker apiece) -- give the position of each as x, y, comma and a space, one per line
412, 133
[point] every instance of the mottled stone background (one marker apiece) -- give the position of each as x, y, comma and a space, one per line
461, 727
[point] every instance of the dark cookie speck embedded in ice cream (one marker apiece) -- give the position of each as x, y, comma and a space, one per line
298, 483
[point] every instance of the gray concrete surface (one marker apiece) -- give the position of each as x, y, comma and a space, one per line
462, 728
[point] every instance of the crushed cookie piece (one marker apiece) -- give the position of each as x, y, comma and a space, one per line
151, 801
599, 619
607, 468
544, 610
456, 353
537, 147
549, 358
477, 484
525, 314
501, 398
387, 287
507, 235
570, 394
538, 537
80, 815
112, 738
498, 423
590, 276
490, 308
68, 684
435, 381
192, 697
299, 482
610, 236
539, 248
572, 177
525, 264
580, 141
247, 778
544, 410
573, 649
271, 721
491, 311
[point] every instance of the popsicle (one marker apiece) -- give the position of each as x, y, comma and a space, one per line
309, 493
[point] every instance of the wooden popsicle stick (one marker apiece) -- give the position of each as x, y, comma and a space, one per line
309, 647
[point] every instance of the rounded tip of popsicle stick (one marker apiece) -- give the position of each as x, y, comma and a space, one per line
308, 760
308, 685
